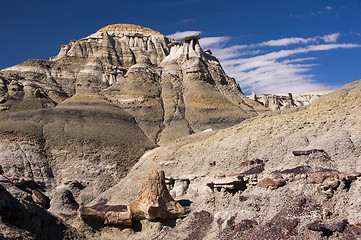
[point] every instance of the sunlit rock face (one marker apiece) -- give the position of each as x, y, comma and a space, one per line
77, 123
187, 92
196, 92
172, 88
120, 44
95, 62
111, 51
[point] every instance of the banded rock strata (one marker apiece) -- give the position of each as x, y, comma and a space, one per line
172, 89
77, 123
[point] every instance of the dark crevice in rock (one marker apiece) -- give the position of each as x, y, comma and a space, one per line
185, 202
296, 170
307, 152
328, 229
255, 170
182, 108
162, 123
347, 185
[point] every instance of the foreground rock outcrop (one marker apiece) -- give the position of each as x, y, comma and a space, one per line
290, 175
23, 215
153, 202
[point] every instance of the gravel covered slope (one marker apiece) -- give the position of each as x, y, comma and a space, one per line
297, 170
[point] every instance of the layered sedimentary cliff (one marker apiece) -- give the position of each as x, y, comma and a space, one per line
79, 133
172, 89
87, 65
77, 123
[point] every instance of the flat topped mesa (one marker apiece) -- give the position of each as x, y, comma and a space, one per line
128, 28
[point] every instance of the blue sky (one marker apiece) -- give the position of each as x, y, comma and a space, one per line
275, 46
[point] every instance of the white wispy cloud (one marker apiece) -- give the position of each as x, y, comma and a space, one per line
278, 77
286, 41
355, 33
212, 41
331, 37
264, 70
229, 52
286, 53
297, 40
313, 14
317, 13
180, 35
299, 60
188, 20
275, 73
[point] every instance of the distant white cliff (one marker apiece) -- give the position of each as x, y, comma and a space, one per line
284, 101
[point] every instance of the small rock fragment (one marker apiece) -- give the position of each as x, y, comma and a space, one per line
40, 198
118, 218
329, 227
272, 182
231, 182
